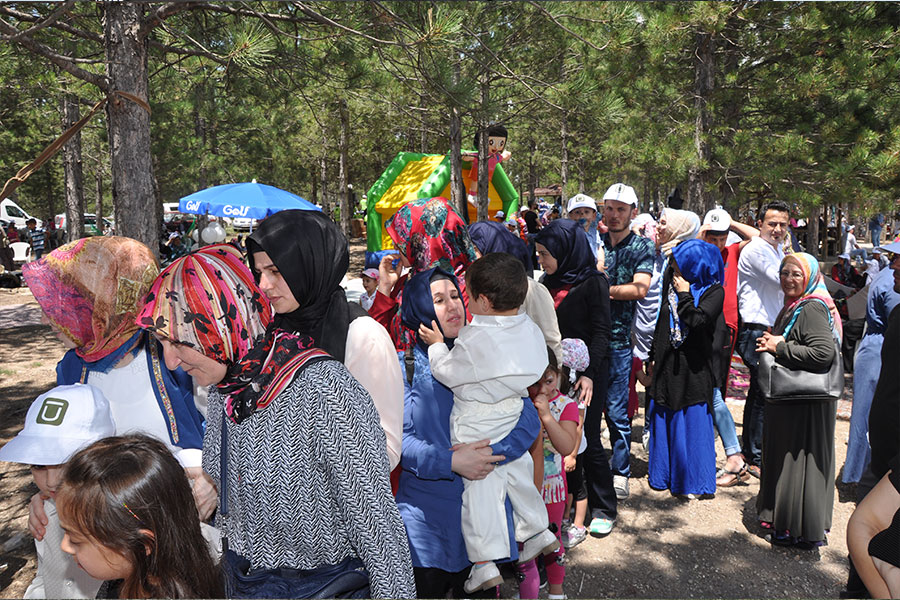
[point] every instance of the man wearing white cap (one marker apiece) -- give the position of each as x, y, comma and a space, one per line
629, 266
58, 424
717, 225
852, 247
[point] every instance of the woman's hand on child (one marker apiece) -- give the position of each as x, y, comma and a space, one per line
431, 336
474, 460
585, 388
206, 497
37, 517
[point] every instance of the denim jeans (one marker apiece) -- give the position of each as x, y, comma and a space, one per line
751, 436
617, 411
724, 424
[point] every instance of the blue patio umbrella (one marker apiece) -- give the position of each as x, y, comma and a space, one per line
249, 200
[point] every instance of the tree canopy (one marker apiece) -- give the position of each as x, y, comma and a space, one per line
736, 103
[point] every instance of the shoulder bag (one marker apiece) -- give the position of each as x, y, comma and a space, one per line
778, 383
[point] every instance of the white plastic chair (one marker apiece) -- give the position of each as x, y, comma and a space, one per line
21, 252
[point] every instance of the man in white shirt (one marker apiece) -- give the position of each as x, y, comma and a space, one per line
852, 246
759, 300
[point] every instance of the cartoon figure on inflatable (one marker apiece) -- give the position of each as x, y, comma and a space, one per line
497, 153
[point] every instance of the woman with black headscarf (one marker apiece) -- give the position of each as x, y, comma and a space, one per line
490, 236
299, 258
581, 295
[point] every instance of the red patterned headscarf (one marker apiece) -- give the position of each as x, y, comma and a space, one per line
91, 289
208, 301
430, 234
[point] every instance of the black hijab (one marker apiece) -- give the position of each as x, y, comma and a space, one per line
491, 236
568, 243
312, 255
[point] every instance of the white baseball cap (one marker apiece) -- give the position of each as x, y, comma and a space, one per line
718, 220
58, 424
580, 201
621, 193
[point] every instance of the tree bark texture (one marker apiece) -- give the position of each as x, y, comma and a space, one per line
98, 199
323, 177
343, 165
457, 185
698, 198
74, 174
564, 160
483, 181
129, 124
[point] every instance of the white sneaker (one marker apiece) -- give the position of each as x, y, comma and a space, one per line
620, 484
575, 537
482, 577
542, 543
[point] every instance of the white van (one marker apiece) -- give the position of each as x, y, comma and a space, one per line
10, 211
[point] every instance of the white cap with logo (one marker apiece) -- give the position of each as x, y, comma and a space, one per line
718, 220
580, 201
58, 424
621, 193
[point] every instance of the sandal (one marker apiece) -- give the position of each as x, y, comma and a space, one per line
726, 478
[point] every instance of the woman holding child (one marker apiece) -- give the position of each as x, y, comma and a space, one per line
431, 485
292, 441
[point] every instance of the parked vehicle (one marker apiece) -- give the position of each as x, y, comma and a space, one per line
10, 211
90, 224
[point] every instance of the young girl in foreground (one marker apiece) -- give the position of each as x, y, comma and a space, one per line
559, 418
129, 519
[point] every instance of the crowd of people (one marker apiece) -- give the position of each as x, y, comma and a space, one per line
234, 425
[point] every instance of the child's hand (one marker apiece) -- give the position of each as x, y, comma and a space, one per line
431, 336
542, 404
569, 463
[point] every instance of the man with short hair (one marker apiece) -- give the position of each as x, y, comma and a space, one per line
760, 300
629, 266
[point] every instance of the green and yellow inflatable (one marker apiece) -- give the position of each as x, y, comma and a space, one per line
412, 175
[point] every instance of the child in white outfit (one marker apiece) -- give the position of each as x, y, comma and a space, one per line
58, 424
492, 363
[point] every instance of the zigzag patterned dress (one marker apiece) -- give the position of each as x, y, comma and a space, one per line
308, 481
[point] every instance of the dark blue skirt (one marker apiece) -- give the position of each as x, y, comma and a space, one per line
682, 450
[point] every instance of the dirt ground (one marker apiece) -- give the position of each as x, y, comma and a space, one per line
661, 547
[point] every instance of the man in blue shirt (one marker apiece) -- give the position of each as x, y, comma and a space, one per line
629, 265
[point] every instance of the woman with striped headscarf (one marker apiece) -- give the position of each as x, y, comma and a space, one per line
796, 490
293, 441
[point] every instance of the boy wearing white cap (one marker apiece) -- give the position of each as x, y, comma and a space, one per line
58, 424
370, 285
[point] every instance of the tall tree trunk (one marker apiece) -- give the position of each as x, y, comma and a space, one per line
129, 124
323, 178
564, 159
580, 172
532, 176
74, 175
423, 129
457, 185
342, 168
483, 181
98, 198
812, 232
704, 81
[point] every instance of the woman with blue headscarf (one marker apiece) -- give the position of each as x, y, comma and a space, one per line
682, 440
429, 494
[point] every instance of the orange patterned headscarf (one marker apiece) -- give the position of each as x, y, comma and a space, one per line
92, 290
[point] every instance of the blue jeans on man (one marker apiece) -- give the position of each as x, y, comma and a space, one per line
751, 436
617, 411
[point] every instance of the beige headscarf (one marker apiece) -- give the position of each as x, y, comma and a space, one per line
681, 225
